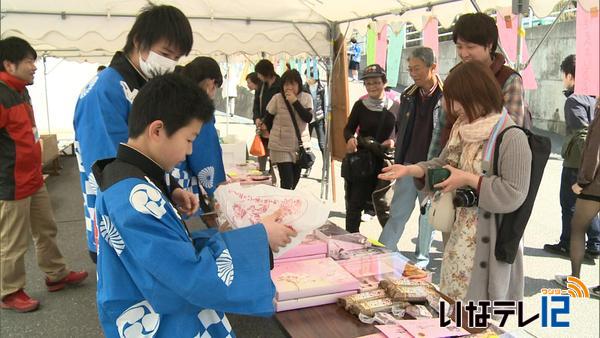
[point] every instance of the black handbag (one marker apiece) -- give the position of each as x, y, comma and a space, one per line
358, 165
306, 158
362, 163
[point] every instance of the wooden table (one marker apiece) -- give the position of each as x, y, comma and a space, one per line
333, 321
329, 321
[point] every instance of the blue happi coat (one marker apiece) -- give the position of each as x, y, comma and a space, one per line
203, 169
100, 123
157, 280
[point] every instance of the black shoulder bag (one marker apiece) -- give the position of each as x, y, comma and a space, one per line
306, 158
362, 163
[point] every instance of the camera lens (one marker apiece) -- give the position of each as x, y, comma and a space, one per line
465, 198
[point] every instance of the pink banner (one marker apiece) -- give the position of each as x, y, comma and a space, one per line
508, 32
430, 35
381, 54
587, 76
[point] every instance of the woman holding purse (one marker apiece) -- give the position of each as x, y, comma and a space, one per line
375, 118
290, 103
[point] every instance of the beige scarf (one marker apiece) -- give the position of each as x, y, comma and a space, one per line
465, 146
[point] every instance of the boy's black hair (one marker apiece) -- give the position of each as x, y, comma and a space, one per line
202, 67
265, 68
101, 68
172, 99
567, 66
254, 78
155, 23
291, 76
15, 50
477, 28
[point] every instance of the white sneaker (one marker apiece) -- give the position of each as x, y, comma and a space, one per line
561, 280
366, 217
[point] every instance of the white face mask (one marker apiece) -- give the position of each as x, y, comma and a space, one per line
156, 64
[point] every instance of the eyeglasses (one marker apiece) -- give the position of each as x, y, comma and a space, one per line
373, 83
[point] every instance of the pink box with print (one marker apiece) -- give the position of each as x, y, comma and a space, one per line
313, 277
310, 246
301, 303
293, 259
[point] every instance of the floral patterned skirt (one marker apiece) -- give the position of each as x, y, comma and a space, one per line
459, 254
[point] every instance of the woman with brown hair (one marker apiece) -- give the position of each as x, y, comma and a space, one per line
470, 270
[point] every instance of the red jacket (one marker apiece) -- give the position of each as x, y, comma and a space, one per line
20, 151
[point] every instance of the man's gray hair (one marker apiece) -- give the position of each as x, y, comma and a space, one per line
425, 54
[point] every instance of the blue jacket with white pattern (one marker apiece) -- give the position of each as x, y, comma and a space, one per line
154, 277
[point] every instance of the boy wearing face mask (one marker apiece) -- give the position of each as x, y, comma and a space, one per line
158, 38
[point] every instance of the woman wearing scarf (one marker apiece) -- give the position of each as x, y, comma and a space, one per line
470, 270
373, 118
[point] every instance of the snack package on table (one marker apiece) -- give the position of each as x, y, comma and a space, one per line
371, 307
418, 311
352, 300
242, 206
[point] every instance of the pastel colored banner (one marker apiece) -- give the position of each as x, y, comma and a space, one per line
394, 55
508, 33
315, 68
587, 76
382, 42
308, 66
430, 35
371, 44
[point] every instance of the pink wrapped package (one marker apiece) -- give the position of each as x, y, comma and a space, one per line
431, 328
300, 258
301, 303
313, 277
310, 246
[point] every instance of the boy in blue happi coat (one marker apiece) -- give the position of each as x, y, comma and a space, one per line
155, 279
203, 170
160, 35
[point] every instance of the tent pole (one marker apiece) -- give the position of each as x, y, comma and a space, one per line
326, 171
46, 93
520, 36
306, 40
227, 95
550, 29
399, 11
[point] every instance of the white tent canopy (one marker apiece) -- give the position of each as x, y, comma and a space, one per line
96, 28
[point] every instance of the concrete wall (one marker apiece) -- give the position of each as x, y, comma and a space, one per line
546, 102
